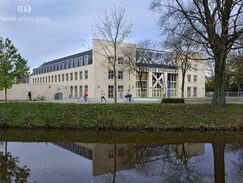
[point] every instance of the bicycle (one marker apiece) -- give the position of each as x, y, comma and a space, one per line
81, 100
40, 98
126, 99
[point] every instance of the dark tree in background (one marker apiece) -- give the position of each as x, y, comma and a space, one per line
216, 25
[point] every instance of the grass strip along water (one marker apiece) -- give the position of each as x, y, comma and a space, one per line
121, 116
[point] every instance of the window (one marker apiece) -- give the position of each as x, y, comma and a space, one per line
55, 78
71, 63
59, 78
86, 88
188, 92
85, 74
55, 67
189, 78
76, 75
120, 60
71, 76
67, 77
120, 74
195, 92
67, 64
195, 67
110, 91
195, 78
80, 75
63, 77
76, 62
63, 65
71, 92
49, 79
110, 74
52, 79
33, 81
59, 66
81, 61
86, 59
80, 91
46, 79
76, 91
120, 91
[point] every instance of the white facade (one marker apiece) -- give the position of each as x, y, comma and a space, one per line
93, 76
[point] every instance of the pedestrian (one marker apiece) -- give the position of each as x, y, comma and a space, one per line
29, 95
85, 96
102, 96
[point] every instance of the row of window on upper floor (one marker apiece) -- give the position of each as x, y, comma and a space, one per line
76, 62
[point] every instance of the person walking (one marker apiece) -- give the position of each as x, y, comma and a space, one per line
29, 95
102, 96
85, 96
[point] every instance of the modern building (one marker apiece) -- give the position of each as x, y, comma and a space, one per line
91, 71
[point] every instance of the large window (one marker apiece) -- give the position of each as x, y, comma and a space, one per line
76, 91
52, 79
71, 76
85, 74
71, 63
120, 91
86, 88
110, 91
172, 85
110, 74
158, 84
188, 91
76, 75
55, 78
195, 92
63, 65
59, 78
76, 62
86, 59
189, 78
195, 79
81, 61
71, 91
120, 60
80, 75
67, 77
120, 74
80, 91
63, 77
67, 64
49, 79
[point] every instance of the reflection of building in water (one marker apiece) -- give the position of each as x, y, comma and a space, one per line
190, 149
127, 155
103, 156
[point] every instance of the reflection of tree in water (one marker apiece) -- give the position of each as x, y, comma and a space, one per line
10, 170
237, 171
163, 160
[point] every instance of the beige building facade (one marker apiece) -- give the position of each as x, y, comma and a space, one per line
90, 71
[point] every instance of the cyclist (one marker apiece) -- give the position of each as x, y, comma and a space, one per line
128, 96
85, 96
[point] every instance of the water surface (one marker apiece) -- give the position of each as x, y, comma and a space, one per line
69, 156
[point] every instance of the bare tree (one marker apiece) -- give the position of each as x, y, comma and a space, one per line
138, 64
214, 24
110, 32
182, 55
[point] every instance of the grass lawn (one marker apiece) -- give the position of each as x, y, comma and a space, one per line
121, 116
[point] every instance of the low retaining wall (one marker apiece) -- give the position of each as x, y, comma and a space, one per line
19, 92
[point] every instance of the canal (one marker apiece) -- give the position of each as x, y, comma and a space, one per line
58, 156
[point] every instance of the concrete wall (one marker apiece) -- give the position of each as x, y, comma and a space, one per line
20, 91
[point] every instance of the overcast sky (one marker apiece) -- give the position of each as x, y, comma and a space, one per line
59, 26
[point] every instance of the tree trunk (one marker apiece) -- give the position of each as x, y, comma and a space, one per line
219, 166
141, 87
5, 95
115, 79
182, 86
219, 82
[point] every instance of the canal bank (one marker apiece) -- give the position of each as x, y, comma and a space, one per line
122, 116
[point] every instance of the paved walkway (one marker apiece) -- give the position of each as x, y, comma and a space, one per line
150, 100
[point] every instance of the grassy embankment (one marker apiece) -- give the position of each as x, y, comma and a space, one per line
121, 116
